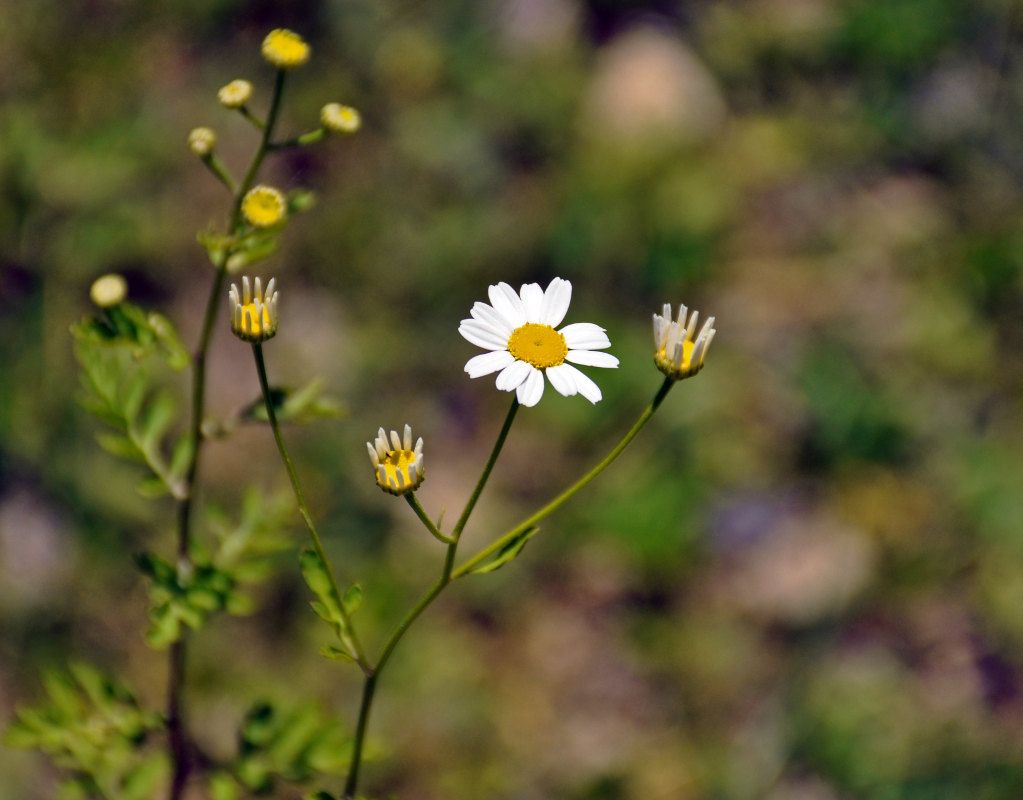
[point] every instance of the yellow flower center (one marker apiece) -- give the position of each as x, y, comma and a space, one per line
252, 324
539, 345
687, 355
398, 461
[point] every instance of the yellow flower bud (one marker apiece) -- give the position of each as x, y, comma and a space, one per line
235, 94
285, 49
337, 118
201, 141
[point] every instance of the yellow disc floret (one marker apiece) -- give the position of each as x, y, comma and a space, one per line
539, 345
398, 465
264, 207
285, 49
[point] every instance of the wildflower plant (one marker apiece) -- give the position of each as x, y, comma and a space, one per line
93, 726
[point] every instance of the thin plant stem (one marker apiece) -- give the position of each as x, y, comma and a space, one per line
558, 501
179, 743
410, 498
475, 496
370, 684
351, 640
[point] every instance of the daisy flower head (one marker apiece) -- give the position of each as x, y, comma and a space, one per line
518, 329
254, 314
679, 353
398, 465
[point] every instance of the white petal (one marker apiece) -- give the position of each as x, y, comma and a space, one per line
531, 389
487, 314
586, 387
585, 336
482, 335
508, 304
485, 363
592, 358
561, 378
513, 375
374, 459
532, 301
555, 302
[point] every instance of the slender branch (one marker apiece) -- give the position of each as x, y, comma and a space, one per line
369, 687
179, 742
558, 501
469, 506
220, 171
410, 497
351, 640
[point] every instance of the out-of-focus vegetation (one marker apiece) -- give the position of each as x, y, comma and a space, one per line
804, 580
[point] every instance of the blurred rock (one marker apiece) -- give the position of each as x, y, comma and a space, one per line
648, 86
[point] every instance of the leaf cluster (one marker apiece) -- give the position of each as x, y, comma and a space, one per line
328, 606
115, 351
94, 728
292, 746
210, 581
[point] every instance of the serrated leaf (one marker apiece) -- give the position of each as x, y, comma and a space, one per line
174, 351
508, 552
181, 456
119, 445
158, 417
352, 599
152, 488
336, 653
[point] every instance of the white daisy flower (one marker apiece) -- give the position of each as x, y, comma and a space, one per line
518, 330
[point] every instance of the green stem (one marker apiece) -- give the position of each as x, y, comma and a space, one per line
220, 172
179, 743
469, 506
311, 137
558, 501
256, 121
261, 151
369, 687
351, 640
410, 497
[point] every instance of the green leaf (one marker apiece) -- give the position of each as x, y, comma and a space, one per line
119, 445
224, 787
352, 599
509, 551
299, 406
336, 653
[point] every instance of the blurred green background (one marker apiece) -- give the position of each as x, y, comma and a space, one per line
804, 581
